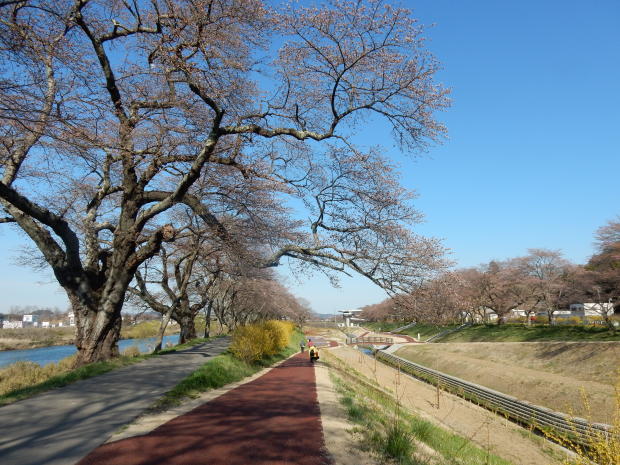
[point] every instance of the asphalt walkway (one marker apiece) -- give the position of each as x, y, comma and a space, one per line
273, 420
62, 426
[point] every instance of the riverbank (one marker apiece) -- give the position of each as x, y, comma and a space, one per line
35, 338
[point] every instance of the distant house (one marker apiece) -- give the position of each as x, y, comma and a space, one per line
592, 309
518, 312
480, 315
71, 318
30, 320
14, 324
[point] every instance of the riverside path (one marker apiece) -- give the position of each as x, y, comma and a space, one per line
273, 420
61, 426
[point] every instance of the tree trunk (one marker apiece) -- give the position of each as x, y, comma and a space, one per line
185, 317
98, 316
188, 329
97, 334
165, 319
208, 320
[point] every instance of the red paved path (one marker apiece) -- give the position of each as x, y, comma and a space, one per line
273, 420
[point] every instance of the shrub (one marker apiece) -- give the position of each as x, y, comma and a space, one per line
600, 448
251, 343
131, 351
398, 443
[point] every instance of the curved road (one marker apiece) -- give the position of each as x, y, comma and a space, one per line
62, 426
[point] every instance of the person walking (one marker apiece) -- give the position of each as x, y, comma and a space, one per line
314, 354
302, 346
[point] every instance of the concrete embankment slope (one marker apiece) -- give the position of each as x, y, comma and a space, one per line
62, 426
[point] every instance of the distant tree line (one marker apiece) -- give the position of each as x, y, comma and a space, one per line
542, 281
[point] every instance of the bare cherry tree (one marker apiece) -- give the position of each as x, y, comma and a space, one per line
112, 110
550, 278
501, 288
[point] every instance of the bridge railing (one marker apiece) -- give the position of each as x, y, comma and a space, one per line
578, 429
370, 340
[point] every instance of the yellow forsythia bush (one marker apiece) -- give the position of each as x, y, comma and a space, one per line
253, 342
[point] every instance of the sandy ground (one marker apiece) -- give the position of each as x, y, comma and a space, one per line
552, 374
488, 430
336, 428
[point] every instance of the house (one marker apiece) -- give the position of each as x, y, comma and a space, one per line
518, 313
592, 309
30, 320
12, 324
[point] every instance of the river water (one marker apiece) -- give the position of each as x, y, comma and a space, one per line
53, 354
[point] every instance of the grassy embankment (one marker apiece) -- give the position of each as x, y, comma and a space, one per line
384, 429
505, 333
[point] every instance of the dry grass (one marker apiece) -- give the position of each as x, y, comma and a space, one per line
602, 448
549, 374
30, 338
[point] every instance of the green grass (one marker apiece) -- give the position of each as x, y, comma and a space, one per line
504, 333
391, 433
425, 330
521, 333
219, 371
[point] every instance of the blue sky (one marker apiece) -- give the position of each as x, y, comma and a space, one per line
533, 154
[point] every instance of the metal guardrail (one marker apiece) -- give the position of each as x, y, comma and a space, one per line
578, 429
448, 331
396, 330
370, 340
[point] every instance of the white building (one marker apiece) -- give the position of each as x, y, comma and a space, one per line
30, 320
6, 324
592, 309
348, 316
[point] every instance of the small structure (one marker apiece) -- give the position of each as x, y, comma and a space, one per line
12, 324
592, 309
349, 315
30, 320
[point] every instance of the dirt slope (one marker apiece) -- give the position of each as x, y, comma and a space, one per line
481, 426
552, 374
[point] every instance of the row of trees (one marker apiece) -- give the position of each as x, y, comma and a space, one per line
543, 281
163, 142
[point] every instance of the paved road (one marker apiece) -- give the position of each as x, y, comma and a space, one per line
62, 426
273, 420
